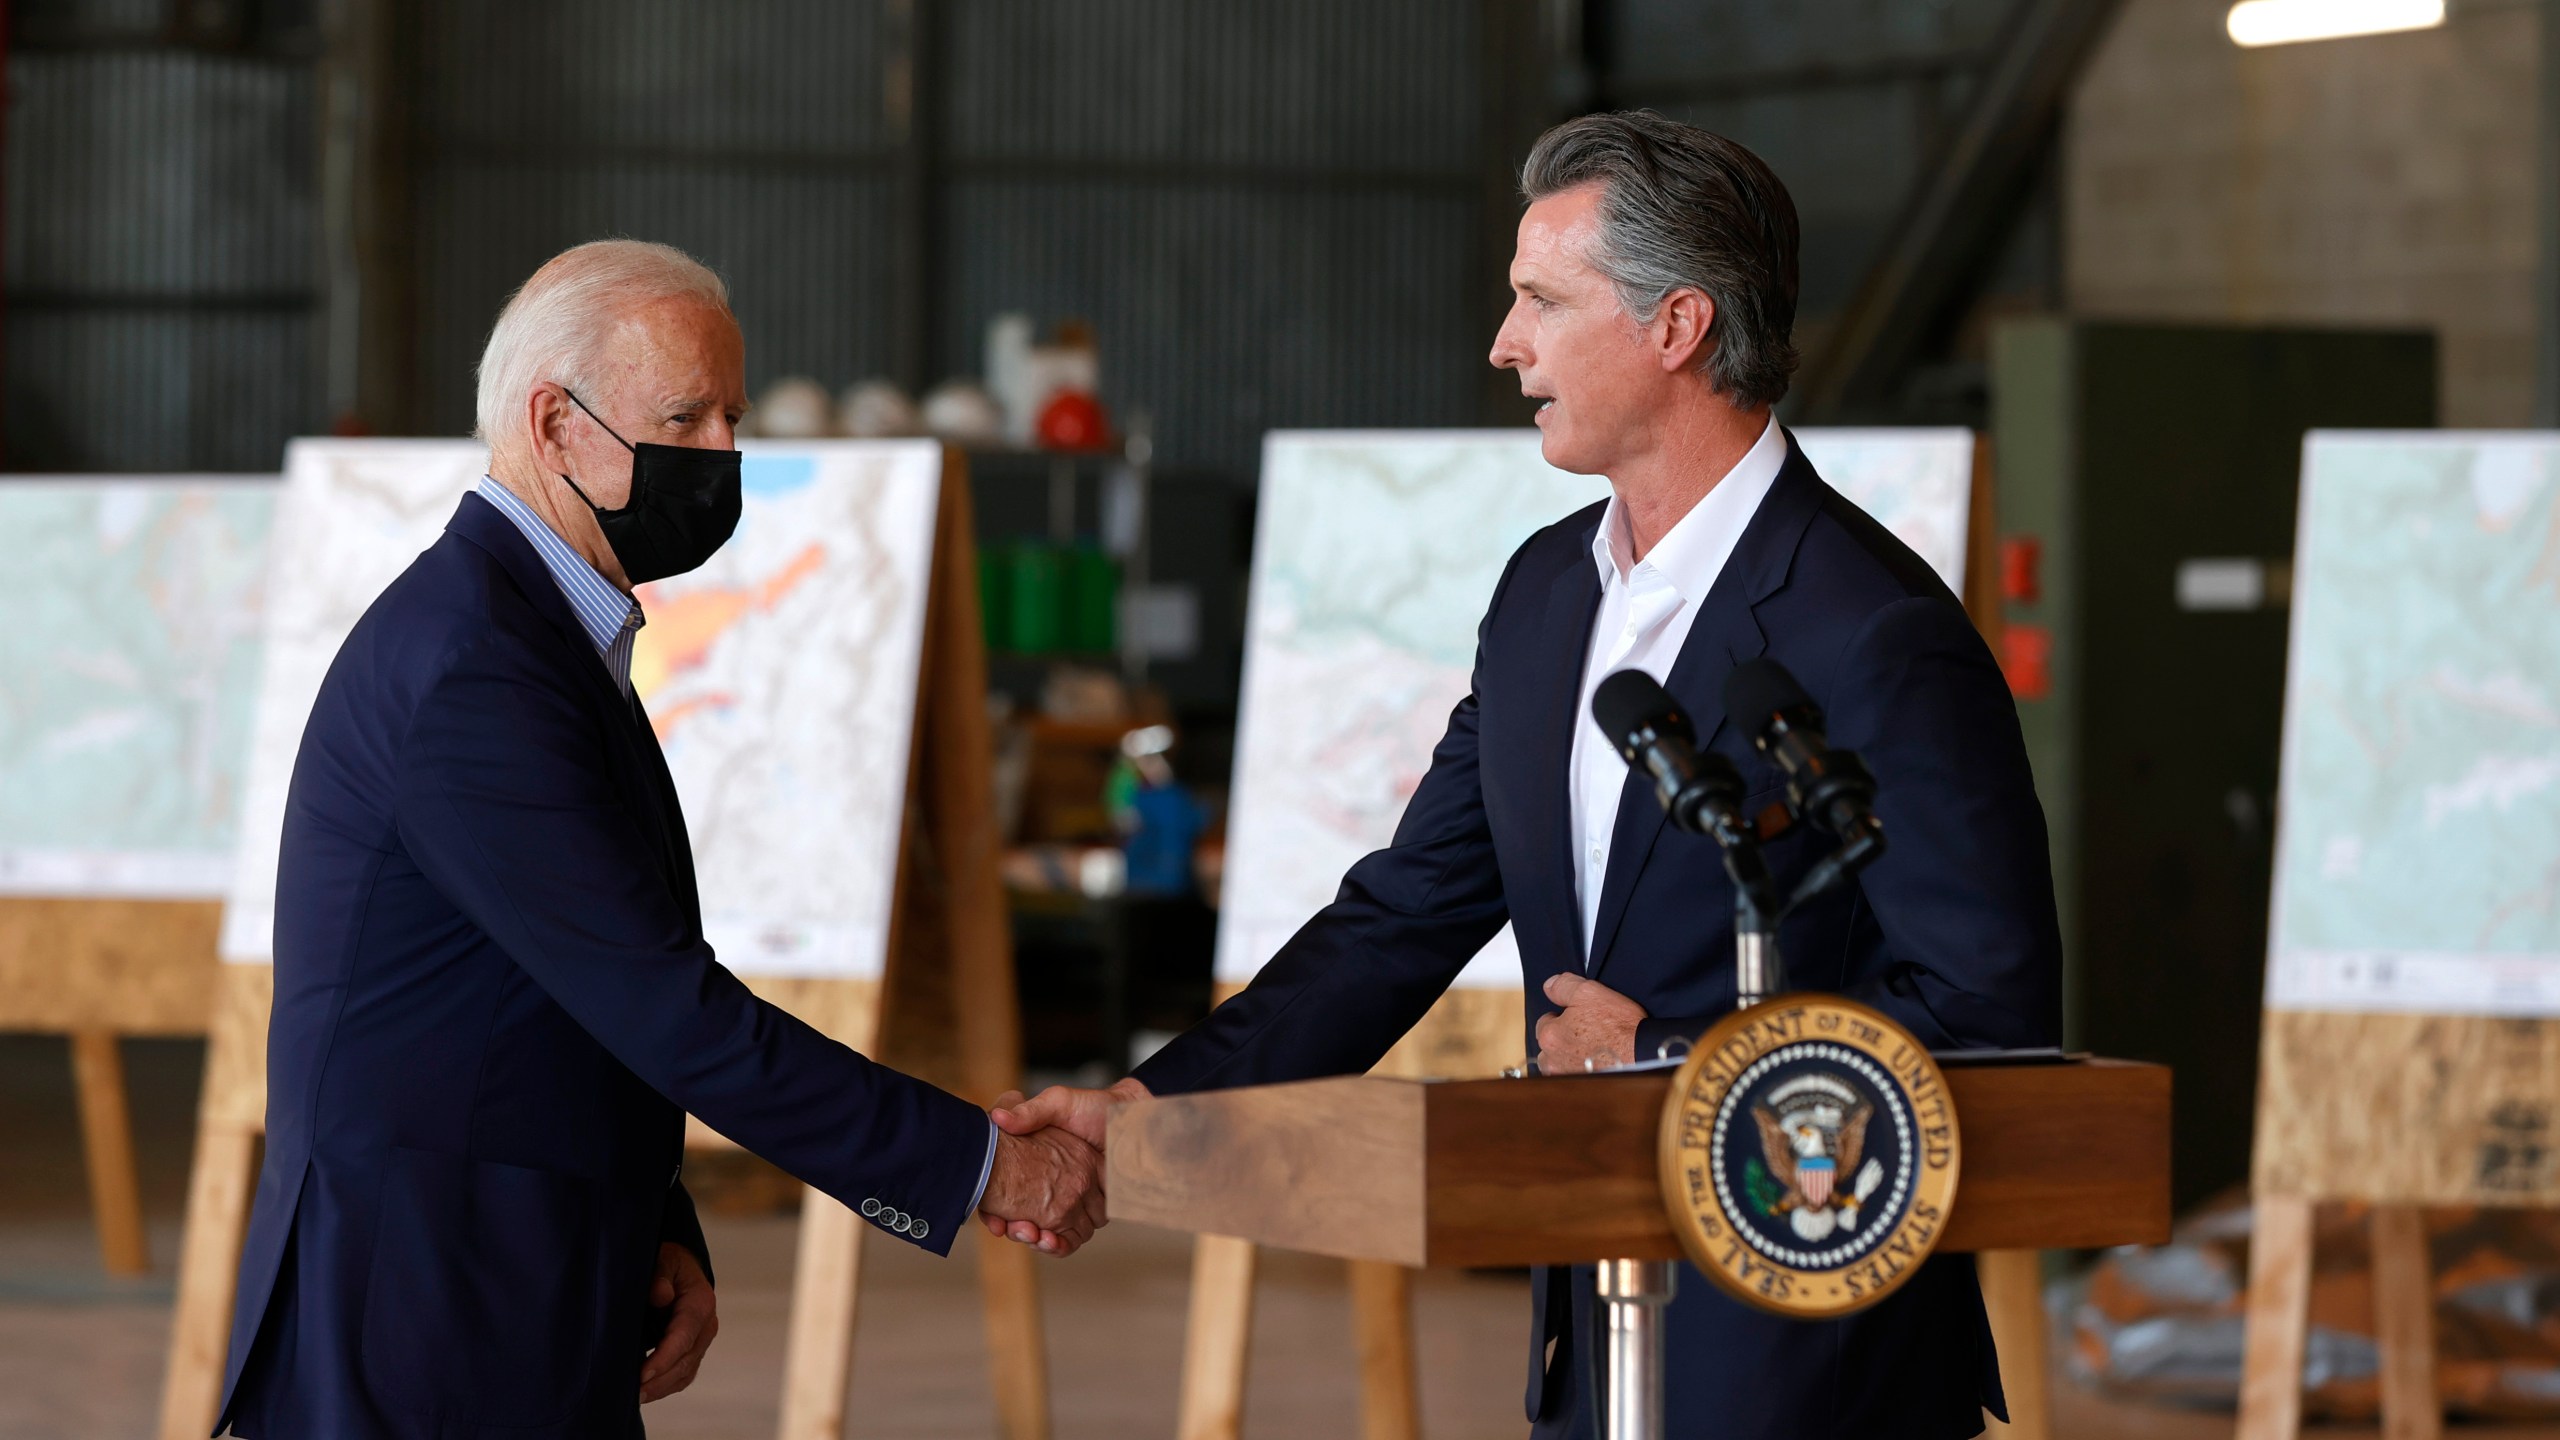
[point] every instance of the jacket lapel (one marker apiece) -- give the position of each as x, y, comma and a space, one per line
480, 522
1725, 634
1573, 602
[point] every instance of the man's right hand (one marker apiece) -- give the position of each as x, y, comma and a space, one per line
1060, 1109
1046, 1188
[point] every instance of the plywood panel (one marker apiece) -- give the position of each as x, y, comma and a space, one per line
2409, 1109
136, 967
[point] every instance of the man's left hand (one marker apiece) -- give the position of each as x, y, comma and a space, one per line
683, 1287
1596, 1030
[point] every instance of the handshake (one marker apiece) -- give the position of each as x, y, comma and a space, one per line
1046, 1187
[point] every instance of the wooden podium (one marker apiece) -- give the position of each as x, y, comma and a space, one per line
1565, 1171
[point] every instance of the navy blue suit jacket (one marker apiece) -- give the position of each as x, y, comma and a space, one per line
1952, 932
493, 1008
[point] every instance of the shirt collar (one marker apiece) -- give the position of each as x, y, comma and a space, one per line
1693, 553
603, 611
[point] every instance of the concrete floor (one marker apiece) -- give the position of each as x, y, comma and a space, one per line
80, 1357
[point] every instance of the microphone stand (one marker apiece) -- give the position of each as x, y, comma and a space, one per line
1633, 1292
1759, 971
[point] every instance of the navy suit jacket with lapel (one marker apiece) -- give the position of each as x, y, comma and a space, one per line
493, 1008
1952, 932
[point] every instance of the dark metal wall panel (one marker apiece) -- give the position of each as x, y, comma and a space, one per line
1315, 84
158, 173
1228, 311
737, 80
157, 390
161, 225
1848, 156
1270, 212
1848, 100
804, 256
1658, 43
750, 135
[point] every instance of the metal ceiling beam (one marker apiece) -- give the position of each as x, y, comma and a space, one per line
1962, 209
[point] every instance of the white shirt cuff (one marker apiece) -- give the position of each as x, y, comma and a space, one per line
986, 1172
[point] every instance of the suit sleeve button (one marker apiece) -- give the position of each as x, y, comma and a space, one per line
870, 1209
922, 1229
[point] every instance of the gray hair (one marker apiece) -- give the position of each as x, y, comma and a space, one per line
551, 327
1683, 208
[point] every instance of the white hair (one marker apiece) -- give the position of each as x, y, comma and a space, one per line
551, 326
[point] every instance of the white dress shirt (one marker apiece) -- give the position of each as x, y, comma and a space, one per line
1646, 609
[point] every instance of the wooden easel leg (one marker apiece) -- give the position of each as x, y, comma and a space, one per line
2013, 1293
106, 1132
2404, 1324
1215, 1343
226, 1171
2279, 1318
1016, 1349
1382, 1322
817, 1358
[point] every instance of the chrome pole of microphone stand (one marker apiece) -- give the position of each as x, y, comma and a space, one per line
1633, 1292
1758, 970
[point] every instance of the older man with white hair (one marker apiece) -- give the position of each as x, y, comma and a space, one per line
493, 1001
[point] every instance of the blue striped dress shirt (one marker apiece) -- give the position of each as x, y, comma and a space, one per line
610, 618
613, 620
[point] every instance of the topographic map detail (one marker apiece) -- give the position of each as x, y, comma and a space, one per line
2418, 854
132, 652
1375, 556
780, 677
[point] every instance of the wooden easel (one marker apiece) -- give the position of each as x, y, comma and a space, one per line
945, 1000
1476, 1033
2403, 1111
97, 970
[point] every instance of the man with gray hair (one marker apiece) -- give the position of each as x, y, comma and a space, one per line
494, 1006
1654, 291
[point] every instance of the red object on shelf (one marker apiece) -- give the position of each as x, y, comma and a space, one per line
1073, 420
2026, 660
2021, 569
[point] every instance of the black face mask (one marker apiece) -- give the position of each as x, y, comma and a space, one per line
683, 506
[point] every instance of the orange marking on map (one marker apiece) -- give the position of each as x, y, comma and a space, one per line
683, 628
665, 722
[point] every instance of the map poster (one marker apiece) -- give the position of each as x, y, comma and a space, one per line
2418, 836
780, 677
132, 656
1374, 557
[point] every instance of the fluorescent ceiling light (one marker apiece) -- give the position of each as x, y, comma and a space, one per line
2282, 22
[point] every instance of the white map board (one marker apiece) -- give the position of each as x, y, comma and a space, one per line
2418, 834
1375, 554
131, 652
781, 677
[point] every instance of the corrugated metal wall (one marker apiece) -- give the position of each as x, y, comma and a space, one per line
1848, 100
750, 134
160, 209
1268, 210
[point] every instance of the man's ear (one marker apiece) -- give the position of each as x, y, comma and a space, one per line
1680, 328
546, 418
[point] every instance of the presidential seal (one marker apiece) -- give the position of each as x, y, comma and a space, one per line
1809, 1155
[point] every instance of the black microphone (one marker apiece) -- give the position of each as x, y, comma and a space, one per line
1701, 792
1830, 787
